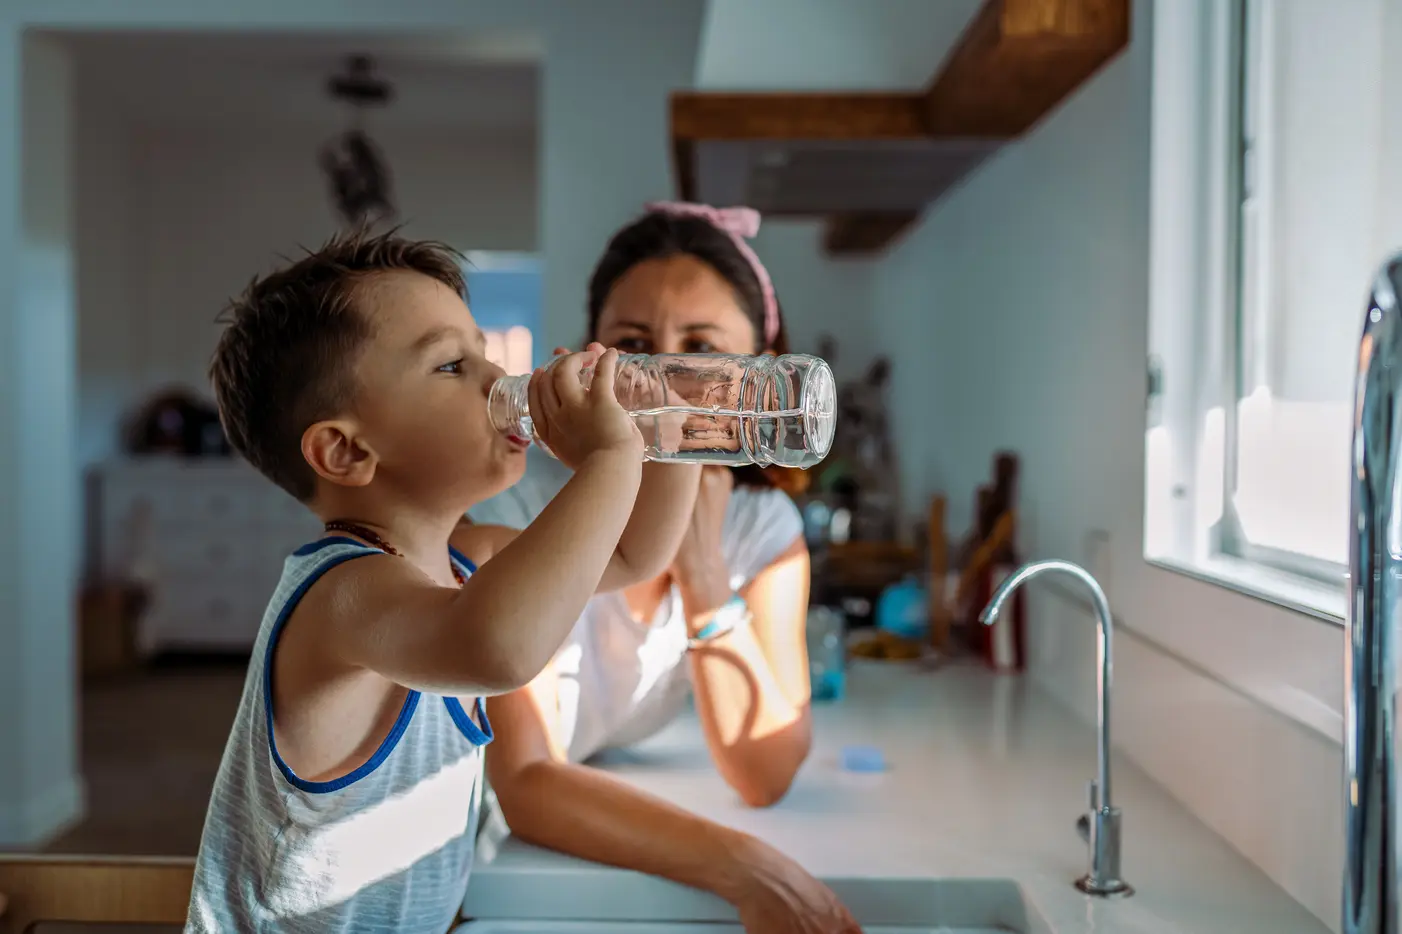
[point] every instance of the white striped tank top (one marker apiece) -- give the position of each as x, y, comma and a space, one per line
386, 847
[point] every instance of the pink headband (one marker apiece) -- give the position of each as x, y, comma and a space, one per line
741, 224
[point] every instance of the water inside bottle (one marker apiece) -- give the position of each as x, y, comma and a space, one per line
715, 434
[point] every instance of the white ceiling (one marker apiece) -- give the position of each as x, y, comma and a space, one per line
483, 82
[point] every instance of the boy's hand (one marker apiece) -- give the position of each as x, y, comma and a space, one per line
574, 422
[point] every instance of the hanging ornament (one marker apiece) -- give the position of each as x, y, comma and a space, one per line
355, 168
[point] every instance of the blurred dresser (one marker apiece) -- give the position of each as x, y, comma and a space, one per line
207, 537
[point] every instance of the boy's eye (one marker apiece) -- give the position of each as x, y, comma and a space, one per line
454, 367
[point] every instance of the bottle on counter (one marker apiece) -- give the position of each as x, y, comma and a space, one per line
727, 409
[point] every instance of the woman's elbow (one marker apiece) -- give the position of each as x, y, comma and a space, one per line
769, 783
764, 793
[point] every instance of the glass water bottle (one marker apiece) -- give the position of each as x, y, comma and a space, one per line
728, 409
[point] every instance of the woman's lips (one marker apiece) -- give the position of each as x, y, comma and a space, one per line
519, 442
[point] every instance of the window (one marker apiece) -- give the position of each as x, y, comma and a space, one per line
510, 349
1277, 170
504, 292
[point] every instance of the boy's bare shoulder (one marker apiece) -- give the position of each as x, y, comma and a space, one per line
478, 543
349, 592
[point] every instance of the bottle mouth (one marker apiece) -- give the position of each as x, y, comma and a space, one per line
820, 409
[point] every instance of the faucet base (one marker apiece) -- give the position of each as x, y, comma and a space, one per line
1113, 888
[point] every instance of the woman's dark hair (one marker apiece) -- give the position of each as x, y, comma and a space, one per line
659, 235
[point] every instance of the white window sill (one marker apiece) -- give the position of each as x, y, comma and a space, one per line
1291, 591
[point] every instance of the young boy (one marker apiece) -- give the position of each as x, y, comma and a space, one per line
355, 379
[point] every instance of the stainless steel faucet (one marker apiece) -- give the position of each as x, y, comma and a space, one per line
1370, 885
1103, 821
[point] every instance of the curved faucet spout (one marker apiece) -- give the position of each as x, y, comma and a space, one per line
1103, 878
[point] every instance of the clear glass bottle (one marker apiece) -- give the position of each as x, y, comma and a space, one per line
728, 409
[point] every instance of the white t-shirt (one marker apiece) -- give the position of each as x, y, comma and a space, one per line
620, 679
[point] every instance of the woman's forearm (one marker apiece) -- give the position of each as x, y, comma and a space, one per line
586, 813
758, 733
758, 738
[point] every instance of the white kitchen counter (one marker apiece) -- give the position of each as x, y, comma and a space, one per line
985, 778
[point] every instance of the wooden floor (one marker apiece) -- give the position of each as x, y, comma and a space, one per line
151, 744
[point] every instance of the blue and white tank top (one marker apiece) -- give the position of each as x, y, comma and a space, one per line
386, 847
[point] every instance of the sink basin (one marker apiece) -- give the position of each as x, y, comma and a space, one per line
668, 927
633, 904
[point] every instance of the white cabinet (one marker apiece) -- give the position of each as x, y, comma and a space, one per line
207, 536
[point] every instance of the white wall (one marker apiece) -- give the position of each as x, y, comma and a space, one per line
609, 67
172, 222
1018, 314
819, 295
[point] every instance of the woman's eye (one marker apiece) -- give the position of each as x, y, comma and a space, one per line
632, 345
454, 367
700, 347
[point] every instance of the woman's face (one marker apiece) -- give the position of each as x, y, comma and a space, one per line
675, 305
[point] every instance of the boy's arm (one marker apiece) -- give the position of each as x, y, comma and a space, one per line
506, 622
654, 531
661, 512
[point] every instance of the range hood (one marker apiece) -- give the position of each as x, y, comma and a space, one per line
870, 163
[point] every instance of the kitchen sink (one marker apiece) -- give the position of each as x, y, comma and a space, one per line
669, 927
883, 906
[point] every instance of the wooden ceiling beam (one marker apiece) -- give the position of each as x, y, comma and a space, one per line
853, 235
1018, 59
699, 115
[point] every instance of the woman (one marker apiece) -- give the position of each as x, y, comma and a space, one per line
724, 624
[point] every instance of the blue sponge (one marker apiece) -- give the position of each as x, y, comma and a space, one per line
863, 759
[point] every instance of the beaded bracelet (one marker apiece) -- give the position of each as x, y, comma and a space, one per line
733, 615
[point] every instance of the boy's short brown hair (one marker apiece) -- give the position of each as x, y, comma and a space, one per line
286, 358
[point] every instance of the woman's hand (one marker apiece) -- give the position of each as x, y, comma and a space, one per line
784, 899
699, 566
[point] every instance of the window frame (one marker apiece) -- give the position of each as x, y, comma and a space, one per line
1252, 20
1198, 309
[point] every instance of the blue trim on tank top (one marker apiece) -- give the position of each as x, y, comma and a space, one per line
476, 735
406, 713
462, 559
312, 548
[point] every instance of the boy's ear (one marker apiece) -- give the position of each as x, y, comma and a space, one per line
337, 454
